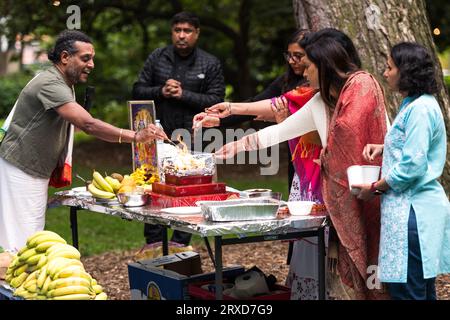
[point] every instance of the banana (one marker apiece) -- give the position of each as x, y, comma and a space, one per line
17, 281
42, 261
25, 248
93, 282
69, 290
27, 254
9, 277
73, 271
46, 284
60, 263
56, 247
38, 234
69, 254
98, 289
20, 270
96, 185
78, 296
32, 276
101, 296
71, 281
114, 183
31, 268
43, 246
29, 295
102, 182
40, 297
44, 238
42, 276
20, 291
33, 260
97, 193
31, 286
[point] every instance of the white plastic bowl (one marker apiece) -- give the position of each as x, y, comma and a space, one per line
300, 208
362, 175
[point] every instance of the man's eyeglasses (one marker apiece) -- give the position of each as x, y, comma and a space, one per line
296, 56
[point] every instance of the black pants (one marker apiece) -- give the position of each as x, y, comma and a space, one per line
153, 233
417, 288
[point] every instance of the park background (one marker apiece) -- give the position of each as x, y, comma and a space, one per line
247, 36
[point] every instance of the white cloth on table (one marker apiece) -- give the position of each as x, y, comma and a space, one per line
23, 202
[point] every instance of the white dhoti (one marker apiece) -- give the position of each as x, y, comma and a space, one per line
23, 202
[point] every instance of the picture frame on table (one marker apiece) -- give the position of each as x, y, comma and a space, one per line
141, 114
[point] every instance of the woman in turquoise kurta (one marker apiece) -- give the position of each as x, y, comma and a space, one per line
415, 211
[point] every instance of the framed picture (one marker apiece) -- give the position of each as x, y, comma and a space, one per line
141, 114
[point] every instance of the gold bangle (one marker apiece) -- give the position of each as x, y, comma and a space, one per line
120, 135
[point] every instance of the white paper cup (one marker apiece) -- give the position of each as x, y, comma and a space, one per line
362, 175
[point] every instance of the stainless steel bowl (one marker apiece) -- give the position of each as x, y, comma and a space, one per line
129, 199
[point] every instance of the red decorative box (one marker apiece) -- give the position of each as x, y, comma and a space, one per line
165, 201
188, 190
187, 180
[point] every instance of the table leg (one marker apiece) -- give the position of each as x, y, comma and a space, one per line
208, 247
219, 267
74, 226
321, 262
165, 242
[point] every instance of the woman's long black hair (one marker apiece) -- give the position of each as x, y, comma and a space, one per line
334, 67
416, 67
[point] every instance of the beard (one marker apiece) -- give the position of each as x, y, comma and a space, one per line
73, 75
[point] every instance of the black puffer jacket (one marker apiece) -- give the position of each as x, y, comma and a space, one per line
203, 86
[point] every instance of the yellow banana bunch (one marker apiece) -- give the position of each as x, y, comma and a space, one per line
98, 178
97, 193
48, 268
42, 236
114, 183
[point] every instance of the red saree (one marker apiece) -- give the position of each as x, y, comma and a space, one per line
358, 119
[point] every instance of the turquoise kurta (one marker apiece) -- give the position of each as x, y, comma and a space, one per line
413, 158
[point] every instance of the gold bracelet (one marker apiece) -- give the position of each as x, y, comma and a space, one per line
120, 135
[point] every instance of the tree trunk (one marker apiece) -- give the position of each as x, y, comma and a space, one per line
375, 26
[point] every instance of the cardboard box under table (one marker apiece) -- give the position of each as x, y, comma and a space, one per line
167, 277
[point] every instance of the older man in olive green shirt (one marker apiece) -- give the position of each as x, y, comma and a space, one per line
37, 135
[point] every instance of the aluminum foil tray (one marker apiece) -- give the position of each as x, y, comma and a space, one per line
240, 210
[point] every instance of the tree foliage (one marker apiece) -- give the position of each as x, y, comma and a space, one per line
248, 36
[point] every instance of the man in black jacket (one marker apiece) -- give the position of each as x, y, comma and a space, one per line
182, 80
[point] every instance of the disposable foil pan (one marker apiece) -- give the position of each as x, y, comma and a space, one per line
240, 210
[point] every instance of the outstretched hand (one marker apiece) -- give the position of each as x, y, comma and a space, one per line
150, 133
221, 110
204, 120
229, 150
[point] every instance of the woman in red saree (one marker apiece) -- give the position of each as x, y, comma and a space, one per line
355, 103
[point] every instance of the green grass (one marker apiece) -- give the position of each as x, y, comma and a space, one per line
99, 233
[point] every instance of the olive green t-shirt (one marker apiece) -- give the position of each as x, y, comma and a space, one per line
37, 135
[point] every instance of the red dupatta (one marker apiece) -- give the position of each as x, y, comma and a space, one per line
358, 119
